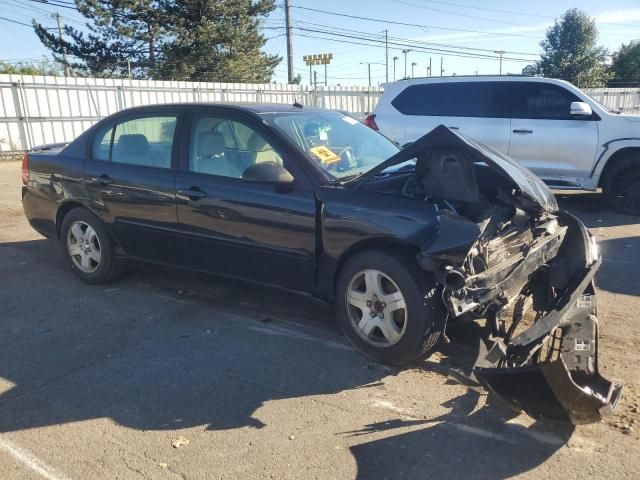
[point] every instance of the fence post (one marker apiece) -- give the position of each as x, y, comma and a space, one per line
23, 121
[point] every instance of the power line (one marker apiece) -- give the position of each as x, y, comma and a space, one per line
381, 42
57, 3
420, 42
16, 22
512, 12
420, 49
458, 14
405, 24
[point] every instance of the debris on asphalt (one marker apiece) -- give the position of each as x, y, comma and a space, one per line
180, 442
163, 465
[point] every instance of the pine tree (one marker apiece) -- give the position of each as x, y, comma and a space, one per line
218, 40
212, 40
122, 35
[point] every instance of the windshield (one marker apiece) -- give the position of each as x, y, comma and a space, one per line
341, 145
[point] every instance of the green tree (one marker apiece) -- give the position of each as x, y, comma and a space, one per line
45, 67
121, 37
530, 70
570, 51
219, 41
626, 62
212, 40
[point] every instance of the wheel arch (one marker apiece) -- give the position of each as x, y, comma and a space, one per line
69, 205
615, 157
397, 246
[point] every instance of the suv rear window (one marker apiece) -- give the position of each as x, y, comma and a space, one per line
453, 99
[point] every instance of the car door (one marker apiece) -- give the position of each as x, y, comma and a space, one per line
476, 109
131, 183
258, 231
544, 136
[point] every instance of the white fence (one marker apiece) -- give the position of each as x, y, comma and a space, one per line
39, 110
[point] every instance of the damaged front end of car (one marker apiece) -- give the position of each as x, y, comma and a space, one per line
505, 253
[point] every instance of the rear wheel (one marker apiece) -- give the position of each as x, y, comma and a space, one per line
387, 308
88, 247
621, 185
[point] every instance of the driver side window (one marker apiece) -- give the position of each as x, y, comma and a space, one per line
228, 148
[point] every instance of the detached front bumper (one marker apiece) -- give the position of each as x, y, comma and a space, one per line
550, 370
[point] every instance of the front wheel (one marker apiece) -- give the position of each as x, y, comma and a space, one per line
387, 308
621, 186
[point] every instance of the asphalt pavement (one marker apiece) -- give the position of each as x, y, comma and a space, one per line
171, 374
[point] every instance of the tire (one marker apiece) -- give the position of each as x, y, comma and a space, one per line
621, 185
418, 325
88, 247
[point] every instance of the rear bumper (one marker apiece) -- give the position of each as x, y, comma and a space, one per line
565, 385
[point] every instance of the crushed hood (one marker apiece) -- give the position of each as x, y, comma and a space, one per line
532, 193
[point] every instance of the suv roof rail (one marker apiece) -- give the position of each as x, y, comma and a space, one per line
471, 76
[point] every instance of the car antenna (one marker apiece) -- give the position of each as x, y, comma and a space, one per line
296, 103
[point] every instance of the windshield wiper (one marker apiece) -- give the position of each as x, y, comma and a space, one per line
347, 178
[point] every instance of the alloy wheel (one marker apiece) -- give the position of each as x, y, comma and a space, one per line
376, 308
84, 247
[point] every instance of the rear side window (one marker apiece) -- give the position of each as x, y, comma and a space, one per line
144, 141
453, 99
541, 101
101, 147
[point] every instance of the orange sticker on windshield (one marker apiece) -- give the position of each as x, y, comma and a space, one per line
324, 154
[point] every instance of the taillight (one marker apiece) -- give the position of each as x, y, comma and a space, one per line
25, 169
370, 121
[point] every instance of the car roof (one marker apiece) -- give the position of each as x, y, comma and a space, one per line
472, 78
259, 108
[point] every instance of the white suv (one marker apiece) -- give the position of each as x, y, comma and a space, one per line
567, 138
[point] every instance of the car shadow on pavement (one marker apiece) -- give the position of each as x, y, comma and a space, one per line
153, 357
592, 209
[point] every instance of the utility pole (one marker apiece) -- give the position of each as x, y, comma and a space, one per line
413, 64
429, 66
441, 66
368, 64
287, 16
395, 59
386, 55
500, 52
64, 49
405, 61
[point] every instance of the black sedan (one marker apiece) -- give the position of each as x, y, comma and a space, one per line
311, 200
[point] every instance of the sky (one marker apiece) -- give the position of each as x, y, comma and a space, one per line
462, 34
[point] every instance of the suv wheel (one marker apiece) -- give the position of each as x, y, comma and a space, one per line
387, 308
621, 186
88, 247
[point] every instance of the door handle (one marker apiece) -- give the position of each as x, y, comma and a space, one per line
193, 193
522, 130
103, 180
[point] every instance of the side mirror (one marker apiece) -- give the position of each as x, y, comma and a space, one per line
268, 172
580, 109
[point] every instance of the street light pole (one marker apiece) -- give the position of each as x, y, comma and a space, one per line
405, 61
395, 59
413, 64
386, 55
368, 64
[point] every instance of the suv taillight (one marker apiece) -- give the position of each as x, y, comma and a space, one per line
25, 169
370, 121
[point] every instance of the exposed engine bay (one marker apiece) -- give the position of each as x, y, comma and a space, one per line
506, 254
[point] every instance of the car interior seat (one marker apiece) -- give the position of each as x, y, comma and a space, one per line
260, 151
210, 156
